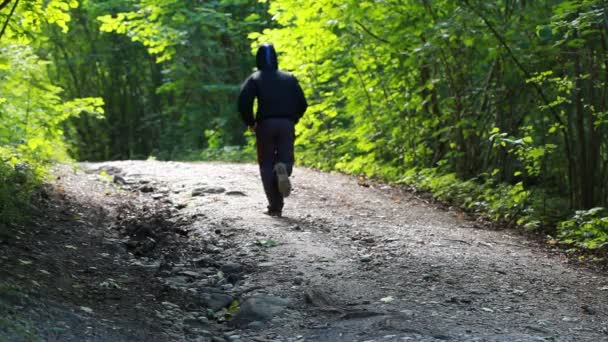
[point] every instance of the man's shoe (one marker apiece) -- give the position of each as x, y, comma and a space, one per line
283, 179
273, 213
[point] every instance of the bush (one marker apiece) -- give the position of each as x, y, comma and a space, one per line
228, 154
16, 185
587, 229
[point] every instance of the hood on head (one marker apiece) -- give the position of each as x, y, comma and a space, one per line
266, 58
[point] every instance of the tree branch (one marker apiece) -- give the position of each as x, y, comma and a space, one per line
4, 4
371, 33
521, 67
9, 16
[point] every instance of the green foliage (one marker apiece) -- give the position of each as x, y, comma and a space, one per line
234, 154
496, 202
529, 155
33, 16
32, 109
218, 152
145, 25
17, 182
587, 229
496, 106
168, 71
267, 243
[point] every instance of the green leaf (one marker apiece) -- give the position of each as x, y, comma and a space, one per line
267, 243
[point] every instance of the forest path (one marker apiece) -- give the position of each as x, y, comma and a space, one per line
429, 274
163, 251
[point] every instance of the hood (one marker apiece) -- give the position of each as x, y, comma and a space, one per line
266, 58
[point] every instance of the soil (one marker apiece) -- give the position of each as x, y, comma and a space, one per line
167, 251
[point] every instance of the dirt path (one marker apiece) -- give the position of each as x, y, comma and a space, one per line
346, 263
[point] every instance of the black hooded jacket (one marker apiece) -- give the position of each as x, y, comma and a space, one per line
278, 92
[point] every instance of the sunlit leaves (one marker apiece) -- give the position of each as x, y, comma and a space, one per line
201, 54
92, 106
443, 84
32, 110
146, 26
57, 12
587, 229
31, 16
31, 117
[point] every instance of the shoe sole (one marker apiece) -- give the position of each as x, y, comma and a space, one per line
273, 214
283, 179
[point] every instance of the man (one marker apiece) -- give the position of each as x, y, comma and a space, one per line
281, 103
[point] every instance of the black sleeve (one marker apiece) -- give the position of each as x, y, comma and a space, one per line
246, 97
301, 103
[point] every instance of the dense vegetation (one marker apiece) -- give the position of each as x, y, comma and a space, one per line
500, 107
170, 94
32, 108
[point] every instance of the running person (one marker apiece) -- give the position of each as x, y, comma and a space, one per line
281, 103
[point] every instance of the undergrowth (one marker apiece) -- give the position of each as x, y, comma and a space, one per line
17, 183
514, 205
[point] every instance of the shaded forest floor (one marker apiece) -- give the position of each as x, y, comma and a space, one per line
165, 251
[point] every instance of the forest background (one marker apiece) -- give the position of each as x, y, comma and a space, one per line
498, 107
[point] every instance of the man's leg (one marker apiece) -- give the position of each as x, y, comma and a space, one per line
285, 145
285, 158
266, 141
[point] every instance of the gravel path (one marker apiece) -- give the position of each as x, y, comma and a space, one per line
366, 263
167, 251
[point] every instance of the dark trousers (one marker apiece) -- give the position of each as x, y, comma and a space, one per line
274, 140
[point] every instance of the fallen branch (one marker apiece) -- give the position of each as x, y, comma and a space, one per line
461, 241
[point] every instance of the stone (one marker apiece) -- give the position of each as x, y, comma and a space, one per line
207, 190
255, 325
119, 180
231, 268
111, 170
190, 274
170, 305
365, 258
235, 193
197, 322
204, 262
146, 188
259, 308
215, 300
178, 281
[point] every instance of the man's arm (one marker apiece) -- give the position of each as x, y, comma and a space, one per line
301, 104
245, 102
